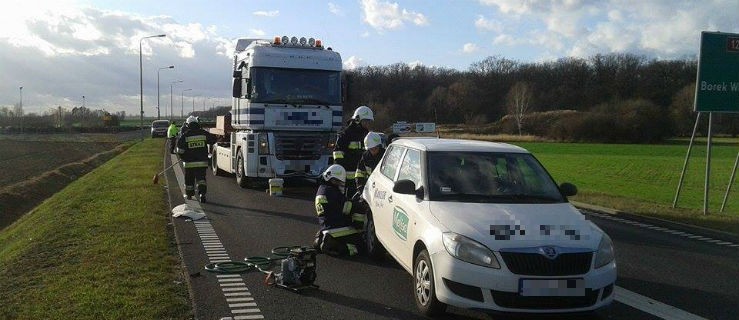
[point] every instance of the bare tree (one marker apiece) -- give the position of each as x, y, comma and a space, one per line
519, 99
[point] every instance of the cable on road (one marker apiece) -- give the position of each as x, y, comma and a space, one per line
257, 263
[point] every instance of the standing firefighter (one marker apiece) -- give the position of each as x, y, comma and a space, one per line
368, 161
192, 147
336, 235
172, 132
349, 148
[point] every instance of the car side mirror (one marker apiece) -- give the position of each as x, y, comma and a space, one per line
404, 186
568, 189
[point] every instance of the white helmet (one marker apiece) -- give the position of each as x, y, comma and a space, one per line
363, 113
191, 119
371, 140
335, 171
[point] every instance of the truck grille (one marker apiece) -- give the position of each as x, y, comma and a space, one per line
299, 146
535, 264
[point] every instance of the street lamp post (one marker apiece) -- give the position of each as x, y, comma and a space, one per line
182, 103
170, 67
171, 101
141, 81
83, 101
20, 106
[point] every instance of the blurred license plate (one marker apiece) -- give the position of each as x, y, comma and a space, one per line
552, 287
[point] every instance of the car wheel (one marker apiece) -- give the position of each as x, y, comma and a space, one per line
424, 288
374, 248
241, 179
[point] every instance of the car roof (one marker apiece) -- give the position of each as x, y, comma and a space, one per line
160, 121
437, 144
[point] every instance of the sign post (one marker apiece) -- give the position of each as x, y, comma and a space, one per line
716, 90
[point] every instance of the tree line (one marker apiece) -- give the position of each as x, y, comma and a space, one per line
612, 98
13, 120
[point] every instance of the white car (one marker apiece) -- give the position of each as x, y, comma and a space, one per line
483, 226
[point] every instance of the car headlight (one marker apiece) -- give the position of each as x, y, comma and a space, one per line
605, 254
468, 250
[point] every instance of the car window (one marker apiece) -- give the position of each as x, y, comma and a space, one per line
489, 177
391, 161
410, 168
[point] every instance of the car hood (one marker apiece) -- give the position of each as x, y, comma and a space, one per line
500, 226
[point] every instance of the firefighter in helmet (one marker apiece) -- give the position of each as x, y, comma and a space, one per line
348, 149
369, 160
192, 148
336, 236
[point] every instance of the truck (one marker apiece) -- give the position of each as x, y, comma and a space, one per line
286, 111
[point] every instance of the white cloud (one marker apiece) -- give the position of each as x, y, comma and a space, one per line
335, 9
353, 62
270, 14
470, 48
59, 56
416, 63
488, 25
383, 15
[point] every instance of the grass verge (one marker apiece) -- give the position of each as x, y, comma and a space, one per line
99, 249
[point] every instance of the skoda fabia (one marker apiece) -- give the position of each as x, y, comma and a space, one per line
483, 225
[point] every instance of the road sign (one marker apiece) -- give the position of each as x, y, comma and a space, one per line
717, 86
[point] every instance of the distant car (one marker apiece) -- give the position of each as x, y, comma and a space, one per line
159, 128
483, 226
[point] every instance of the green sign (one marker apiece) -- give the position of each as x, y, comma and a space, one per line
400, 223
717, 87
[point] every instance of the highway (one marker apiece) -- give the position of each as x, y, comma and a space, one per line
665, 271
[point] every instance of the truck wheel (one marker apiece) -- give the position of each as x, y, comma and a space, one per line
424, 288
214, 166
374, 248
241, 178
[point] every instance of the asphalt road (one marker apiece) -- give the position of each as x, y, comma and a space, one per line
665, 271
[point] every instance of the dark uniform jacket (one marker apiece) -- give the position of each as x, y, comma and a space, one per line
331, 207
367, 163
192, 146
349, 148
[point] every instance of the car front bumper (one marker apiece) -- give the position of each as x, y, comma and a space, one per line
470, 286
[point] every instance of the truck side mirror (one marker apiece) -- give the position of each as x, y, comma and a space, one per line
236, 88
248, 88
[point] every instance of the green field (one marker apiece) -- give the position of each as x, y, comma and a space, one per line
99, 249
643, 179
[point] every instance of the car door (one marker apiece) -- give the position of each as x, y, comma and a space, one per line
407, 208
381, 187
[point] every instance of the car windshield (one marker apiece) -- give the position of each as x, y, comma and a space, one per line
159, 124
296, 86
489, 177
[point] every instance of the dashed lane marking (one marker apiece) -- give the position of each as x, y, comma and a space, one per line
232, 285
666, 230
652, 306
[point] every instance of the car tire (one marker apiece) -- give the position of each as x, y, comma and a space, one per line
424, 288
372, 245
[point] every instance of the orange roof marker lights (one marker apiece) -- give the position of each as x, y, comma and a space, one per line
319, 43
277, 41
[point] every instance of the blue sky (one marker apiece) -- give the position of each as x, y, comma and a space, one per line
61, 50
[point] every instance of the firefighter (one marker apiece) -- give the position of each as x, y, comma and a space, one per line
192, 148
369, 160
172, 132
336, 235
348, 149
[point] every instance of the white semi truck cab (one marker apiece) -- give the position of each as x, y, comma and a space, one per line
286, 110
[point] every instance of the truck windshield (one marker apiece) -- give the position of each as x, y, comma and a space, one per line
296, 86
487, 177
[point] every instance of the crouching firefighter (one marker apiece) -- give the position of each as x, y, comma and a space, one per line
192, 148
336, 236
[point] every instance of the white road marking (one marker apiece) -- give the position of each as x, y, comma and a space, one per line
652, 306
237, 294
242, 305
250, 310
229, 300
248, 317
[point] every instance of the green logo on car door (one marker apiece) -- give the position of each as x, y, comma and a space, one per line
400, 223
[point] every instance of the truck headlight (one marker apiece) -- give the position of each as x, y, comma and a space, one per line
605, 254
263, 144
468, 250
